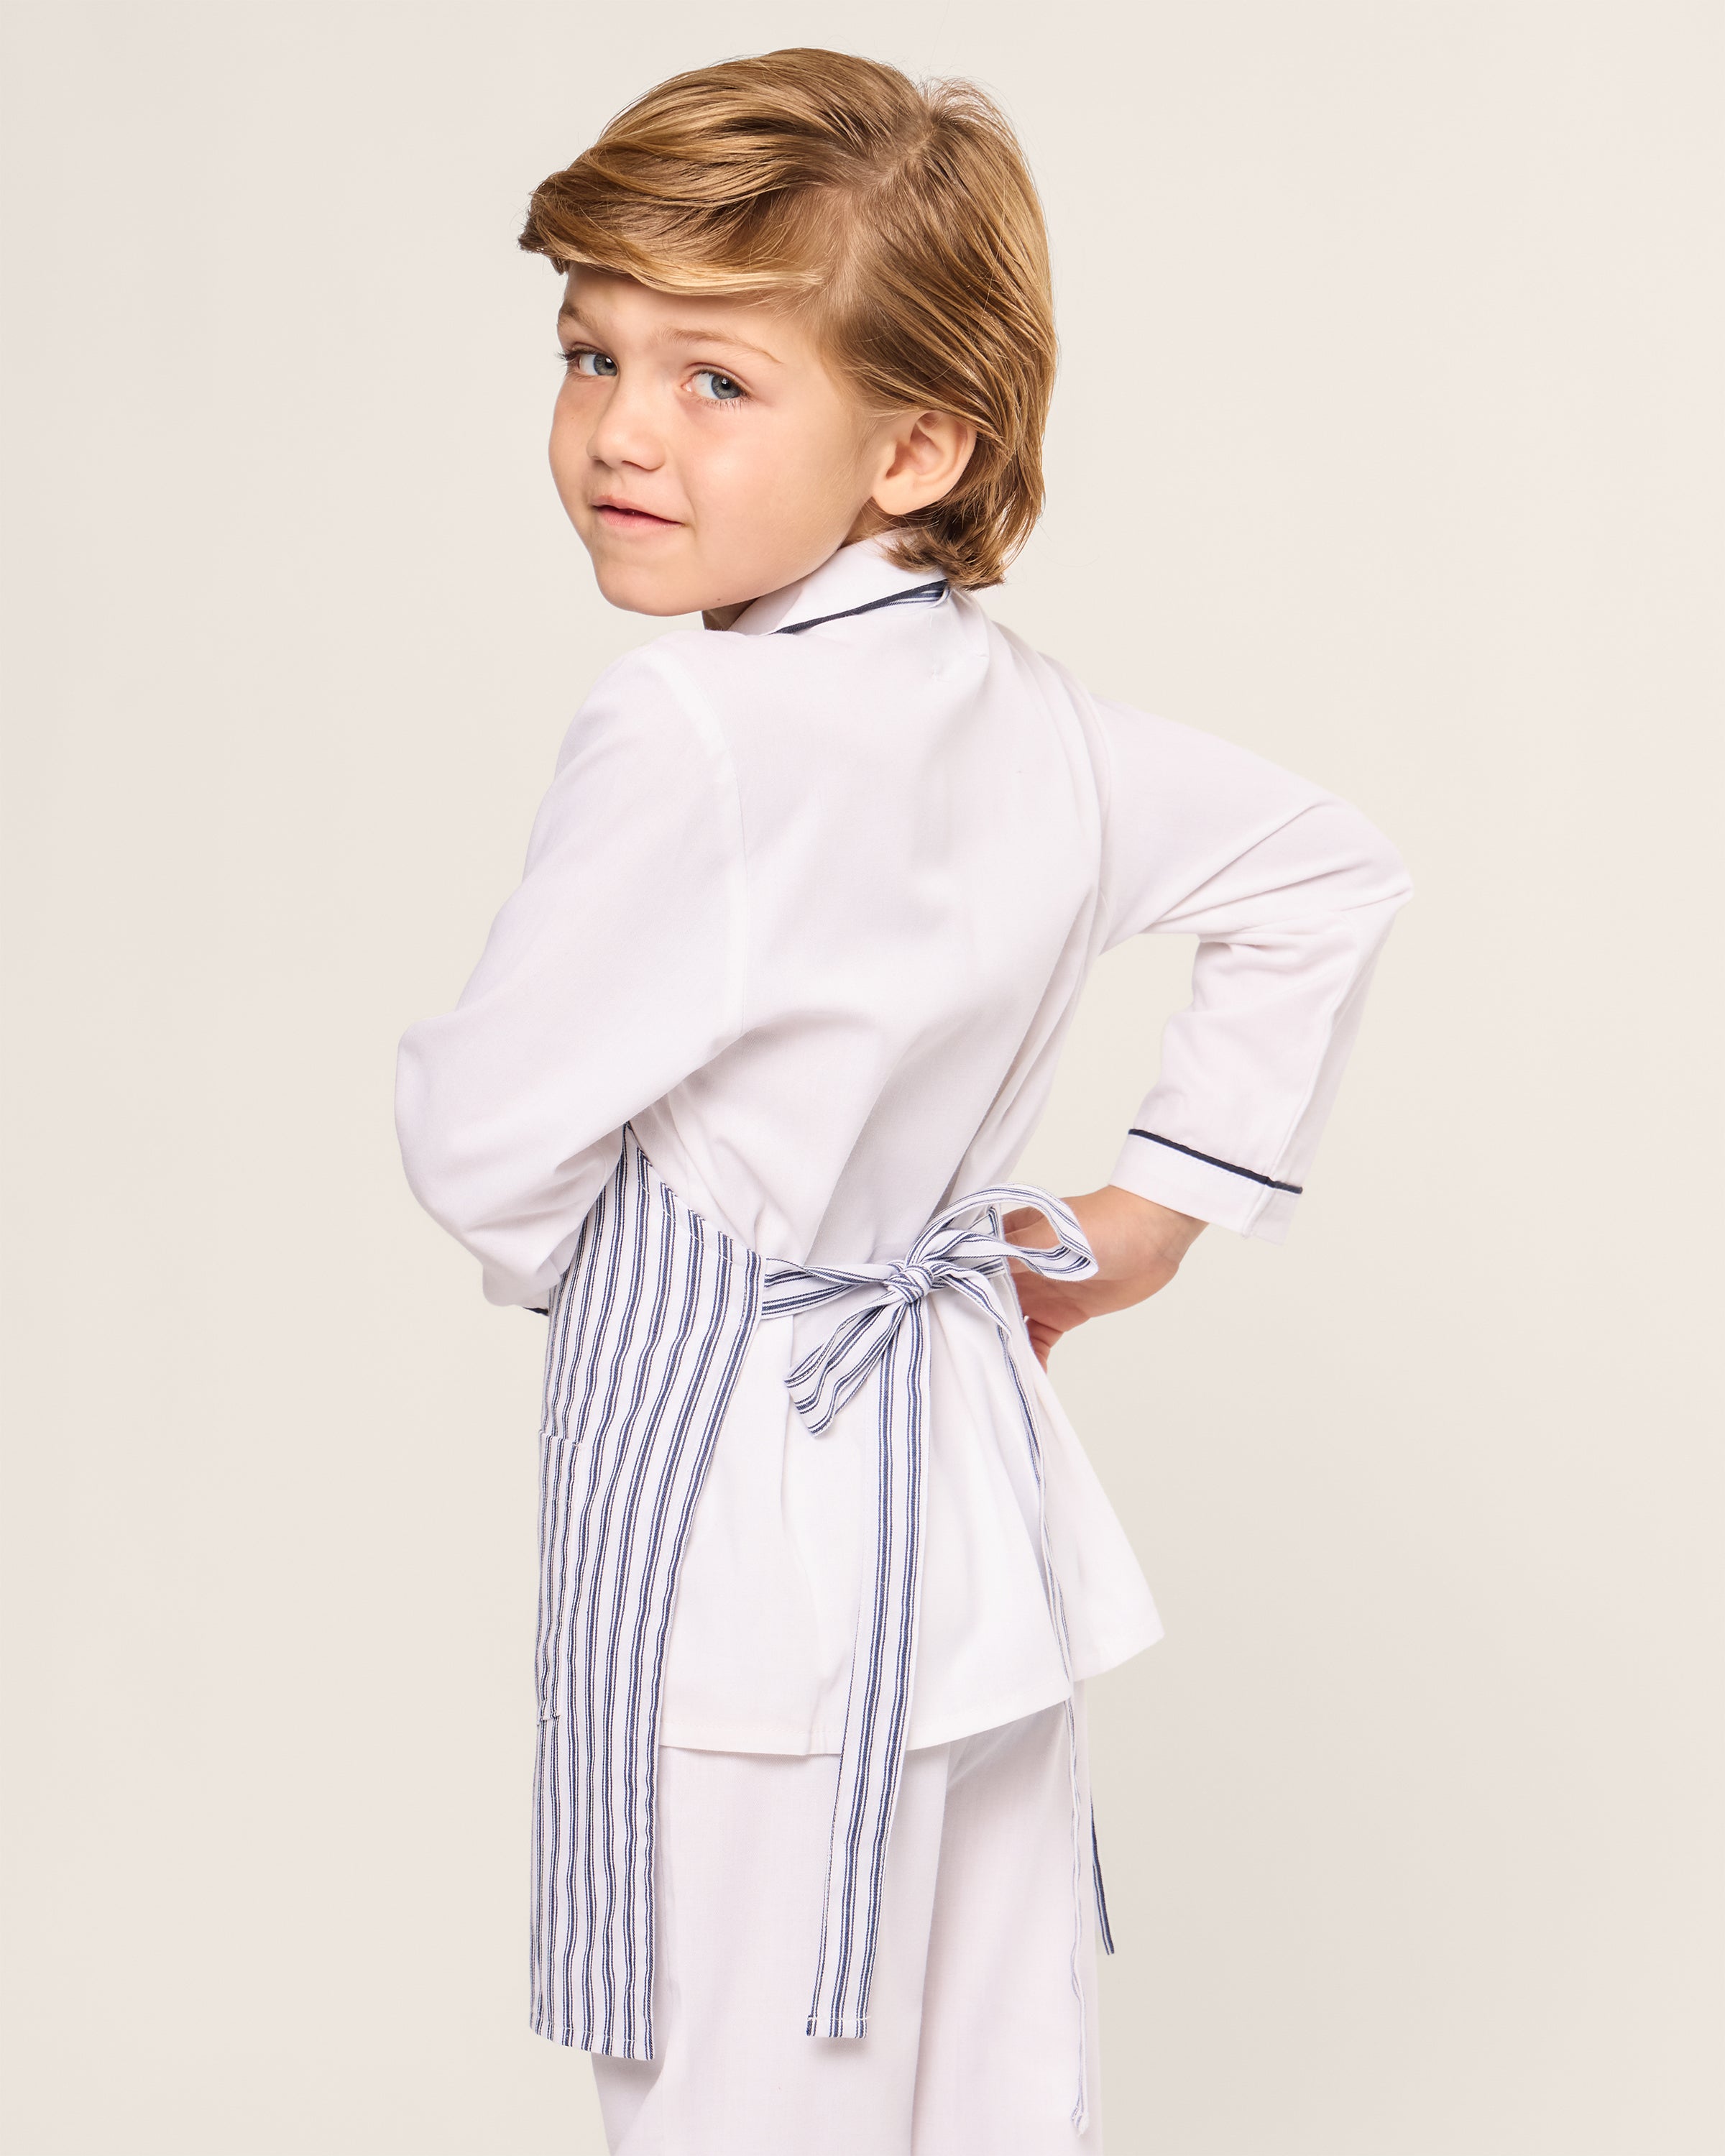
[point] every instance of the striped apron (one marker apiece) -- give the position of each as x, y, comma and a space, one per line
648, 1329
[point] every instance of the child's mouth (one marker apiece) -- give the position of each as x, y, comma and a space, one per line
623, 517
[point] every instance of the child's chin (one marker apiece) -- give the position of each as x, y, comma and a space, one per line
637, 589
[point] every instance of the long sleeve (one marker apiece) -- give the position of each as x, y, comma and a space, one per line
612, 972
1291, 893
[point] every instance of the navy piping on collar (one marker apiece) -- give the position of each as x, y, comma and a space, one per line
920, 594
1250, 1173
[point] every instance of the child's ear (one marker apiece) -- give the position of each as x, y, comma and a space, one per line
925, 456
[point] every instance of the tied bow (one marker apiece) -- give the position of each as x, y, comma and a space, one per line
947, 1254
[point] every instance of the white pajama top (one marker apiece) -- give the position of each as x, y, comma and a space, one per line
808, 906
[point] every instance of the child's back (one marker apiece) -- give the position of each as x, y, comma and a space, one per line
809, 906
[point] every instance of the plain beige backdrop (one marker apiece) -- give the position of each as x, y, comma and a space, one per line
1388, 443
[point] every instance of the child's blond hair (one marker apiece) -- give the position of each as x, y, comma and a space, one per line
901, 217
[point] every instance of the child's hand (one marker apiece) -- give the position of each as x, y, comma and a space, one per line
1138, 1245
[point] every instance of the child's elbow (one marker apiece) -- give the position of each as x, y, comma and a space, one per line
435, 1147
1389, 872
1376, 875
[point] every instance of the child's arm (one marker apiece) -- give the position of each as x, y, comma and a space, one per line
1291, 893
612, 972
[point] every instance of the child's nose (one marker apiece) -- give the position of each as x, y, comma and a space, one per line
625, 432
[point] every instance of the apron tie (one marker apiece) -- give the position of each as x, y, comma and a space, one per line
887, 1338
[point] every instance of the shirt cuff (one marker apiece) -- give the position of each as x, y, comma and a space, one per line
1177, 1175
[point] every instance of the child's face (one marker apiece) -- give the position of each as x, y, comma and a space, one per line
706, 452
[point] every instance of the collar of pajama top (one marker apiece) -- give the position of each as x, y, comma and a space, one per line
859, 579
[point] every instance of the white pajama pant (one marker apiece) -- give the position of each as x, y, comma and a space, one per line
972, 2042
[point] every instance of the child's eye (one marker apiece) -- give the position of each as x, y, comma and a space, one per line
721, 389
576, 358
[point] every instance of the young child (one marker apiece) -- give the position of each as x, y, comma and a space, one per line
730, 1095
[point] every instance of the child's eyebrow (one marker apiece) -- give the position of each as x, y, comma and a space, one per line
716, 336
569, 313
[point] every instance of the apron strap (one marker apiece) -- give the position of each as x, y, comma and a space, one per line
887, 1339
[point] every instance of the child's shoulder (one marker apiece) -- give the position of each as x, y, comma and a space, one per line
734, 686
640, 710
665, 695
689, 702
689, 666
738, 690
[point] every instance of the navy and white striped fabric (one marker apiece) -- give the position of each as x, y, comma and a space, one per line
649, 1326
648, 1329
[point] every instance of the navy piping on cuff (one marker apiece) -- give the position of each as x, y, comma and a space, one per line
1250, 1173
925, 594
538, 1309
